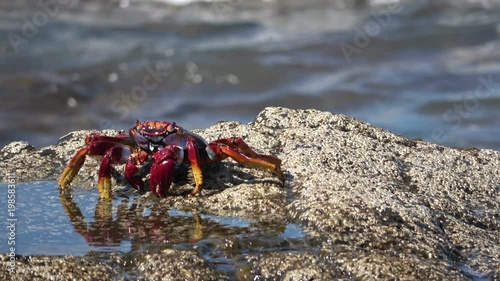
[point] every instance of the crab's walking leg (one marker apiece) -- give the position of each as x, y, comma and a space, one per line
241, 146
238, 150
116, 155
194, 159
74, 165
162, 171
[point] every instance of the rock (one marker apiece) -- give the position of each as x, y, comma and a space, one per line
167, 265
57, 268
373, 204
22, 161
382, 206
175, 265
294, 266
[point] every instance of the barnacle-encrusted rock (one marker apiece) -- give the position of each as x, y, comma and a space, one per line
374, 204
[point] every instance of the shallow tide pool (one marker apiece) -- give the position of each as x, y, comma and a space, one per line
47, 223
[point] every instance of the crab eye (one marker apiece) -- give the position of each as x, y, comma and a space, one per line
173, 130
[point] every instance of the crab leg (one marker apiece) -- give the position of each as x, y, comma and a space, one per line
241, 146
119, 139
76, 163
239, 151
73, 167
194, 159
116, 155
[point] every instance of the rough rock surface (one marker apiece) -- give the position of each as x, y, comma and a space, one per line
374, 204
60, 268
167, 265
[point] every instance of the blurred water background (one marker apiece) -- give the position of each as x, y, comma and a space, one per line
423, 69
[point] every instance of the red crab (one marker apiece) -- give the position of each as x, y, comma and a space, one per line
167, 144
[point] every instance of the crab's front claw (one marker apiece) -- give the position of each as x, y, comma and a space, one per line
162, 175
132, 174
73, 167
162, 171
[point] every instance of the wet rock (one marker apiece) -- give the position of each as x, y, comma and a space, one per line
382, 206
56, 268
22, 161
167, 265
373, 204
175, 265
293, 266
15, 148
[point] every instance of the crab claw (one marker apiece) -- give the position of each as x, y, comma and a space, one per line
162, 171
162, 175
131, 174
